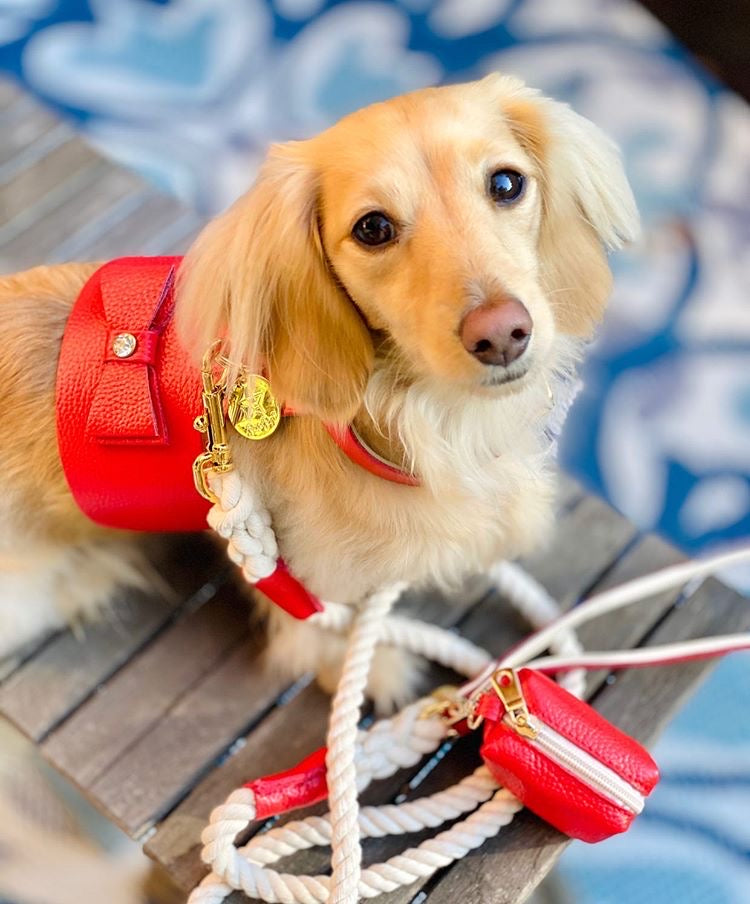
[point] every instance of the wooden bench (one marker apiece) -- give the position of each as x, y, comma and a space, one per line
164, 706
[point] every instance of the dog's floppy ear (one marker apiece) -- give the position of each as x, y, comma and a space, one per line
588, 206
257, 276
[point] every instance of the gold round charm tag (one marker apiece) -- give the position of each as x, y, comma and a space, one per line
252, 409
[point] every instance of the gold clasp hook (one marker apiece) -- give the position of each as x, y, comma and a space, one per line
452, 708
212, 424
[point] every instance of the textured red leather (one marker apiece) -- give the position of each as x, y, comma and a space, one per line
301, 786
125, 425
284, 589
546, 788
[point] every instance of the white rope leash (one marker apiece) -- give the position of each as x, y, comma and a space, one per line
342, 735
355, 758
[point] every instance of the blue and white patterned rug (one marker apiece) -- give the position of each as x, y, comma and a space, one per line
190, 92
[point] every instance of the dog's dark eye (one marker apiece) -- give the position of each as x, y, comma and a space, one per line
374, 228
506, 185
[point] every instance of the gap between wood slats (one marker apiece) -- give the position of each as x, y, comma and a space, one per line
158, 771
44, 690
39, 187
26, 141
135, 229
36, 243
78, 244
177, 237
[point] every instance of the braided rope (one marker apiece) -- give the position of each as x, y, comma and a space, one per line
342, 735
355, 758
441, 646
403, 869
241, 519
376, 822
388, 745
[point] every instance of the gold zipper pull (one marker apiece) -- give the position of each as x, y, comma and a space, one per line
508, 688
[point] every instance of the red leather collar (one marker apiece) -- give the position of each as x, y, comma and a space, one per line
353, 446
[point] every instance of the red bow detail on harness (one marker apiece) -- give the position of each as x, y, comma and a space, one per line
127, 404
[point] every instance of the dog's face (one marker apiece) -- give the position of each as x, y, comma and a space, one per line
459, 229
431, 222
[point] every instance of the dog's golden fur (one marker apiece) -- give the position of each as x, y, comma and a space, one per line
370, 335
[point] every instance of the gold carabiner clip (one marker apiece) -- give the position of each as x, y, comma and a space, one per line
212, 424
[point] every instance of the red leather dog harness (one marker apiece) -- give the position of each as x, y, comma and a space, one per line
127, 396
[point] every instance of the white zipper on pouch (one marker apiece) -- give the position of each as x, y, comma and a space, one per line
583, 766
559, 750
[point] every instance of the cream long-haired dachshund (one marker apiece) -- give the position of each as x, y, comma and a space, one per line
426, 269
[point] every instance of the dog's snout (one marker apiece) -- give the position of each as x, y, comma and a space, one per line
497, 332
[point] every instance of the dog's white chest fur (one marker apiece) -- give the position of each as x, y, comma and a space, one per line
487, 473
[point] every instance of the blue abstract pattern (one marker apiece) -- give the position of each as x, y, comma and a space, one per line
190, 92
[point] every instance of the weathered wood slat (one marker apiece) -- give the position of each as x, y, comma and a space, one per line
177, 237
582, 550
26, 139
159, 770
35, 237
625, 629
151, 217
94, 232
133, 701
644, 700
10, 94
52, 174
43, 691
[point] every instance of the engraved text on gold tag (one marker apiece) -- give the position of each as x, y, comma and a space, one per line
252, 409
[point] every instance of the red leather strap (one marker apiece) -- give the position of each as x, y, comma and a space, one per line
301, 786
286, 591
355, 449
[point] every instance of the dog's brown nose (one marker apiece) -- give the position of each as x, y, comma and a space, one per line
497, 332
